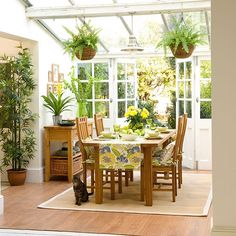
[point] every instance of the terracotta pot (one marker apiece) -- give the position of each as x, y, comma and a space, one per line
181, 53
16, 178
88, 54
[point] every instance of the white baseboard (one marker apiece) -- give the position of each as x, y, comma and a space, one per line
223, 231
1, 205
34, 175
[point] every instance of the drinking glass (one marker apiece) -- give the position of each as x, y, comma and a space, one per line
116, 130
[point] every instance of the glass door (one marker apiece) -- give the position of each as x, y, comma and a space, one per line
184, 103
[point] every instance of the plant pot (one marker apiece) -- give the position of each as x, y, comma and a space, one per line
56, 119
81, 109
87, 54
181, 53
16, 178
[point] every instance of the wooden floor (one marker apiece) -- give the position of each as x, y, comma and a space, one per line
21, 212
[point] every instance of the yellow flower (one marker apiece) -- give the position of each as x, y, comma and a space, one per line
130, 108
133, 113
127, 114
144, 113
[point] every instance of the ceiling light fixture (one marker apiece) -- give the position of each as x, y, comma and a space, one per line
133, 45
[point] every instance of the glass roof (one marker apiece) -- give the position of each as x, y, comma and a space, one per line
114, 33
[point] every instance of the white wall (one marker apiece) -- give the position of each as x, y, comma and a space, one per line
46, 51
224, 117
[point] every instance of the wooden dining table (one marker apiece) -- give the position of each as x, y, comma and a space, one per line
146, 145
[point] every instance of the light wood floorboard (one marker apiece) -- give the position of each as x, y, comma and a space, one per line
21, 212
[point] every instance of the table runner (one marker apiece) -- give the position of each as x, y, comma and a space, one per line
120, 156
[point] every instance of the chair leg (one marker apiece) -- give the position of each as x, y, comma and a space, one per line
175, 174
92, 181
85, 174
173, 183
106, 176
126, 178
181, 169
179, 173
131, 175
142, 184
112, 185
119, 181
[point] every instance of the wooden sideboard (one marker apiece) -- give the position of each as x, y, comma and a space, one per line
58, 165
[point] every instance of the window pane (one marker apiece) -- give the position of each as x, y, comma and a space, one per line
205, 87
90, 109
102, 108
101, 90
130, 90
121, 71
181, 70
121, 109
205, 69
121, 90
101, 71
181, 89
84, 70
189, 108
189, 70
181, 108
130, 71
205, 110
188, 91
130, 103
86, 92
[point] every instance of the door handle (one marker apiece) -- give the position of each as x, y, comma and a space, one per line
197, 99
111, 100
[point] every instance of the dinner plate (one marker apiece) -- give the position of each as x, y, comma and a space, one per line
165, 132
151, 138
106, 138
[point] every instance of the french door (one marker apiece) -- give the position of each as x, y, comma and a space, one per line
193, 92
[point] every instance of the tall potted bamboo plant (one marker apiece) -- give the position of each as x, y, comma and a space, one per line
16, 133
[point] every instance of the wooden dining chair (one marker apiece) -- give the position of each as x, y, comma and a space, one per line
88, 157
165, 163
98, 120
180, 154
99, 126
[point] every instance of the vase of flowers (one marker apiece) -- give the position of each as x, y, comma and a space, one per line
136, 117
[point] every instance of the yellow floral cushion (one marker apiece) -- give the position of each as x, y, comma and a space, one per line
165, 157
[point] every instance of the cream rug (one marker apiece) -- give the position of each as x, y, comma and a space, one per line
194, 199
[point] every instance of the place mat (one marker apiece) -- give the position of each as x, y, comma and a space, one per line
194, 199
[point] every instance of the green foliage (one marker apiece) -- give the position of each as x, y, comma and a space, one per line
57, 104
86, 36
171, 110
154, 76
81, 90
182, 33
17, 86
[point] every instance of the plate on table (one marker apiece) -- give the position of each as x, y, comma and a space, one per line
165, 132
153, 137
67, 123
102, 137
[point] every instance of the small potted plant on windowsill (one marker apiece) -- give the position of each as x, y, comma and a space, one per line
181, 38
83, 43
56, 105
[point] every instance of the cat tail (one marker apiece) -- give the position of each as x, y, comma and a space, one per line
90, 193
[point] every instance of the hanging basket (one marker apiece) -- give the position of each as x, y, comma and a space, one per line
181, 53
88, 54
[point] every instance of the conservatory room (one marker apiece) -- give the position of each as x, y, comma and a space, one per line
117, 117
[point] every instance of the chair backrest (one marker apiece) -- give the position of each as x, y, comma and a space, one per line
178, 138
82, 132
185, 119
98, 120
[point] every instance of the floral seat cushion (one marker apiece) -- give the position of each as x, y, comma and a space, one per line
166, 156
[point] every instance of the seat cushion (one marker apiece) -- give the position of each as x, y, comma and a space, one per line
166, 156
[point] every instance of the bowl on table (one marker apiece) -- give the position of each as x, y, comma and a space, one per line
162, 129
152, 134
106, 134
129, 137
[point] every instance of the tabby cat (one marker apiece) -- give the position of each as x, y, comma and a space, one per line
80, 190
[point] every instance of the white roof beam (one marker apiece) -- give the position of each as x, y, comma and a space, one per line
117, 9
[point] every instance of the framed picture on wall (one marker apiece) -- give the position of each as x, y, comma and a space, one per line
61, 77
49, 88
49, 76
55, 73
55, 89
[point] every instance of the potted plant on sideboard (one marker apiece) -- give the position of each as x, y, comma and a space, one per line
57, 105
181, 38
83, 43
16, 132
